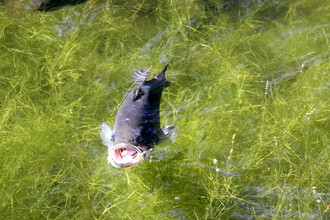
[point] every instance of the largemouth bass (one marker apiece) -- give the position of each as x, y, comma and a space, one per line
137, 127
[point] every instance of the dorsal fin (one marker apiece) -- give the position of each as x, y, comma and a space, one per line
139, 77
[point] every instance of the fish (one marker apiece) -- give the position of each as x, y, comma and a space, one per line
137, 126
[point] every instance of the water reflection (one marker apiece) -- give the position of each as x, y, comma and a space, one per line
217, 169
257, 202
77, 21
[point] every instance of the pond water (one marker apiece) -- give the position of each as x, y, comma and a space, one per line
249, 98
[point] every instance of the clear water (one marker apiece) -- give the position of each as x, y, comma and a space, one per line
249, 95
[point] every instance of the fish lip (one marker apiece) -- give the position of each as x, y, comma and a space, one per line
141, 155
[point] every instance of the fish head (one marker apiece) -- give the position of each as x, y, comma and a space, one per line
125, 155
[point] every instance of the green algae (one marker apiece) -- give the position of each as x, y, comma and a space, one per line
250, 85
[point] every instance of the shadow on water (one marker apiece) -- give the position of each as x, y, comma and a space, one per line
41, 5
51, 5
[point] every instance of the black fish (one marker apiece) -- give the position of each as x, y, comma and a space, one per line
137, 126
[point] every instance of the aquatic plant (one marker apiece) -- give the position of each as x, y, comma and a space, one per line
249, 95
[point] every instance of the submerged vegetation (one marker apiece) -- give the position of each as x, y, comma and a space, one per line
249, 95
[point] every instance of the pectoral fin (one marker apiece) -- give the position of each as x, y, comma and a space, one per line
167, 133
105, 134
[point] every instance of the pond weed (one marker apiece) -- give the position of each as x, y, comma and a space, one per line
242, 151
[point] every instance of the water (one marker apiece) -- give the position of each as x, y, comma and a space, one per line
249, 97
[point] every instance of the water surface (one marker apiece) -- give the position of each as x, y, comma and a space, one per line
249, 94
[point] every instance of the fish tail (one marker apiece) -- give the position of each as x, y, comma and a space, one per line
159, 80
162, 73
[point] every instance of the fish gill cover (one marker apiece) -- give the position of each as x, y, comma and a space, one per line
250, 85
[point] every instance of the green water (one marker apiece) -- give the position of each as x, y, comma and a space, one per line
249, 94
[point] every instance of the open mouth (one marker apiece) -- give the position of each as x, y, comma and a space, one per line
126, 155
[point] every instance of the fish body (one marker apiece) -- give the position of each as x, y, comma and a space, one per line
137, 127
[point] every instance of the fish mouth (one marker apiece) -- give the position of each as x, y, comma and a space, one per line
125, 155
